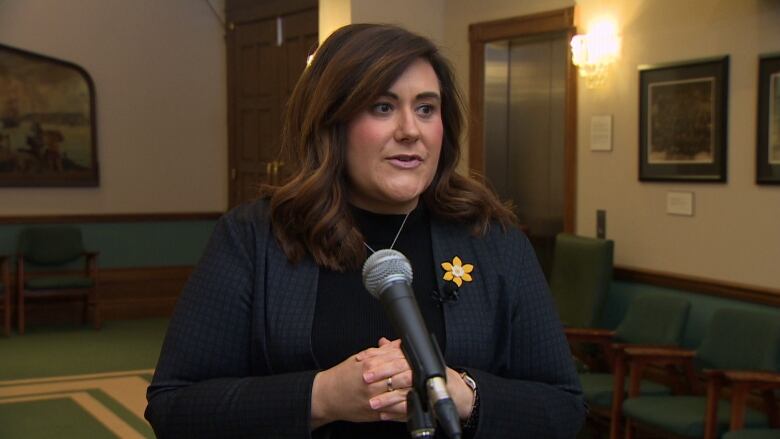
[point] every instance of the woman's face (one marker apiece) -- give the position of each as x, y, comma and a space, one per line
393, 147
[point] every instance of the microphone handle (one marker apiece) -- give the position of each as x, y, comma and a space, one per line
423, 353
418, 344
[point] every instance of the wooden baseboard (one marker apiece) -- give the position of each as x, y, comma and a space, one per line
110, 218
126, 293
729, 290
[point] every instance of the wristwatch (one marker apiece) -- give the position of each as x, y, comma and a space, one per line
471, 421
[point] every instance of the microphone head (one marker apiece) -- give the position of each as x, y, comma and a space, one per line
383, 268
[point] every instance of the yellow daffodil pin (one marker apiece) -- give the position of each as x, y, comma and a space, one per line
457, 271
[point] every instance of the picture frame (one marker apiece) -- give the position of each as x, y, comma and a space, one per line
768, 126
683, 119
47, 122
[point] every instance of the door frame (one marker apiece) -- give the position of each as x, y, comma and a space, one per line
561, 20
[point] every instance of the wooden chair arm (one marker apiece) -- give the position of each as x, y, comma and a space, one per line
743, 382
658, 354
589, 335
754, 378
639, 357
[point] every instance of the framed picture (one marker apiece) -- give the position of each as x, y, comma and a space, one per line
47, 122
683, 120
768, 136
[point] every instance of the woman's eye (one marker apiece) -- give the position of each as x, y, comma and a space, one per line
382, 108
426, 110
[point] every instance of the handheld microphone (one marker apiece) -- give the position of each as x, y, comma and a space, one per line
387, 275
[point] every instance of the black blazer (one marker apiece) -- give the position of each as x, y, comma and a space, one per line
237, 359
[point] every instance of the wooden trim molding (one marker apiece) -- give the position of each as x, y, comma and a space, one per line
561, 20
242, 11
125, 293
728, 290
533, 24
110, 218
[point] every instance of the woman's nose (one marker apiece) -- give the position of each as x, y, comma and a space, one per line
407, 129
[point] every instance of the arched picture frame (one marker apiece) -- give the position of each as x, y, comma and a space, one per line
47, 122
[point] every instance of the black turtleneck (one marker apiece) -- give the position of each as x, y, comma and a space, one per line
347, 319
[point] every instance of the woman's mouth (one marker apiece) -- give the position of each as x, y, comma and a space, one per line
405, 161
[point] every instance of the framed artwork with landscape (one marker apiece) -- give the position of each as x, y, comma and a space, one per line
683, 120
768, 136
47, 122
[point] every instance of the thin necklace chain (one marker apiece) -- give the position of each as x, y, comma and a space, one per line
394, 239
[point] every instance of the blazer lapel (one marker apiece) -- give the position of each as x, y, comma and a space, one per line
469, 320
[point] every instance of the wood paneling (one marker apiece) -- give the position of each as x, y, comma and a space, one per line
515, 27
240, 11
266, 56
125, 293
728, 290
109, 218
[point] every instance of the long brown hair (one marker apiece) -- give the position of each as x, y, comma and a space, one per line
349, 71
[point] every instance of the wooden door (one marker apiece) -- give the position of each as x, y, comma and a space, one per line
265, 58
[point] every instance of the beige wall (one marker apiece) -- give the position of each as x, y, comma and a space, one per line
423, 17
734, 234
333, 14
160, 81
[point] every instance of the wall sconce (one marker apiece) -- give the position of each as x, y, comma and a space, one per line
595, 51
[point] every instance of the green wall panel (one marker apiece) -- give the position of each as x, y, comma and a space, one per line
134, 244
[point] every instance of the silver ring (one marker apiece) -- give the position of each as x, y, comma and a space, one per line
390, 384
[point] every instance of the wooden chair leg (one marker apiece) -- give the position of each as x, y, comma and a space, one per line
97, 318
629, 429
20, 279
738, 401
6, 308
20, 314
711, 414
618, 386
85, 310
7, 314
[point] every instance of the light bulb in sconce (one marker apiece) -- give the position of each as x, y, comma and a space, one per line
595, 51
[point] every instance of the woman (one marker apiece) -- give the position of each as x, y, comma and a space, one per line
275, 336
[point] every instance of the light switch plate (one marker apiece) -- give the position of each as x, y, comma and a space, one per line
601, 133
601, 224
679, 203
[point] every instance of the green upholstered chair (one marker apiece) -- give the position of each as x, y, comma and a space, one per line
760, 433
5, 294
737, 341
743, 384
763, 433
580, 278
51, 250
579, 281
651, 320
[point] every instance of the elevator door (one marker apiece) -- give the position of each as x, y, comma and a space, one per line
525, 84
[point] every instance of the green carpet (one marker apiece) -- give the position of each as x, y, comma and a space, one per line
69, 350
54, 418
75, 382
